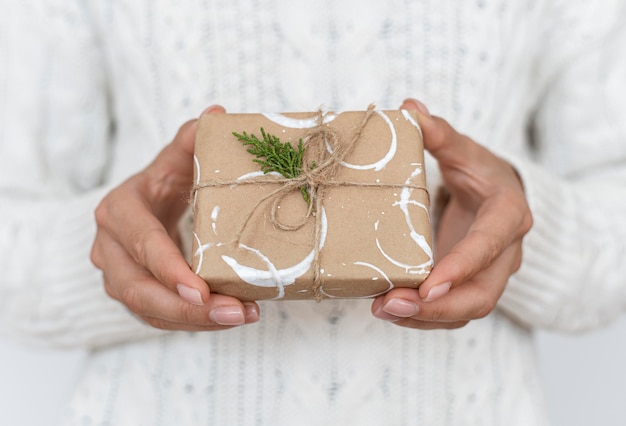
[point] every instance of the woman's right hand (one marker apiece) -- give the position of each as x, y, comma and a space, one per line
135, 247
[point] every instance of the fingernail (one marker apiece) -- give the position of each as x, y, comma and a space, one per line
209, 109
191, 295
381, 314
252, 313
437, 291
228, 315
421, 107
400, 308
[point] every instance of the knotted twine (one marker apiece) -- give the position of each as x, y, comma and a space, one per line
318, 175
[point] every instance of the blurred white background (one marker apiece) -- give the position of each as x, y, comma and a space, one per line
585, 378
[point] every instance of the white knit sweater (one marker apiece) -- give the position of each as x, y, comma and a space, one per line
90, 91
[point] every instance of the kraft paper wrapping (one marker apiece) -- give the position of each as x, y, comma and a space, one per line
371, 239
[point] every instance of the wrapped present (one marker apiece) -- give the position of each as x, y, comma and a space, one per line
310, 205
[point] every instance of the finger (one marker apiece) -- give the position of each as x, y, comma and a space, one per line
471, 300
134, 286
487, 238
252, 316
467, 167
379, 312
173, 167
439, 137
125, 219
453, 224
214, 109
148, 298
128, 213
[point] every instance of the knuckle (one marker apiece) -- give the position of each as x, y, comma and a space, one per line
486, 306
444, 135
159, 272
516, 265
189, 313
494, 247
186, 126
157, 323
101, 213
108, 288
139, 243
436, 314
108, 209
131, 297
95, 256
520, 205
458, 324
142, 243
163, 268
517, 262
461, 263
527, 222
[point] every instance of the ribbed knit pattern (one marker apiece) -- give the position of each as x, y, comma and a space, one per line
56, 296
315, 364
90, 91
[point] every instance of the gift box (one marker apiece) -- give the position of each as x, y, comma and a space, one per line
350, 220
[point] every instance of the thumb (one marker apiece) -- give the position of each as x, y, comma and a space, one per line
174, 163
449, 147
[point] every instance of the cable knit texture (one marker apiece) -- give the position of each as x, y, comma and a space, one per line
90, 91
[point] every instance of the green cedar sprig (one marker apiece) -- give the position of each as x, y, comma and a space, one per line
274, 156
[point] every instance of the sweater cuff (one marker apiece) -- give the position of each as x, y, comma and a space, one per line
547, 291
58, 297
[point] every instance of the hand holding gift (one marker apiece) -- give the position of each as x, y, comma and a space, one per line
136, 249
479, 240
478, 243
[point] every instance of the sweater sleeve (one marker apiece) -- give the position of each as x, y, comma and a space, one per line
573, 275
54, 153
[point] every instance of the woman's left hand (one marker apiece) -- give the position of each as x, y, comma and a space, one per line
479, 238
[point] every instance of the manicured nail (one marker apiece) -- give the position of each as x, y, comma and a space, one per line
228, 315
421, 107
252, 313
209, 109
437, 291
191, 295
401, 308
381, 314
